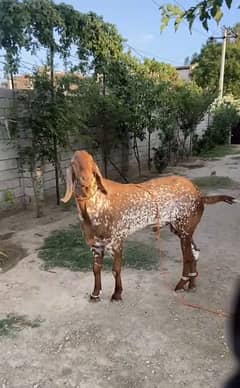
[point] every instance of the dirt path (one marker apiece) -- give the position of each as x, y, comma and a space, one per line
149, 340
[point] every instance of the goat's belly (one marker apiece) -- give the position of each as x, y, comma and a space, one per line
138, 218
133, 220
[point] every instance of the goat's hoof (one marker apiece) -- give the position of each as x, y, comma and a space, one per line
116, 298
192, 284
180, 290
181, 286
94, 298
192, 288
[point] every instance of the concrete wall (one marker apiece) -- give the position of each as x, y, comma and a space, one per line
15, 179
11, 185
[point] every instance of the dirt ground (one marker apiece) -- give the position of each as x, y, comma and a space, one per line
148, 341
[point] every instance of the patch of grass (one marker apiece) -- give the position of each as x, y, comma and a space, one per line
12, 323
66, 248
215, 182
220, 151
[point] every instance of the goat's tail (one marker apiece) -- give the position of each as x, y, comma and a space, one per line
209, 200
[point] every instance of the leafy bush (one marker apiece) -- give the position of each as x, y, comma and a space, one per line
224, 118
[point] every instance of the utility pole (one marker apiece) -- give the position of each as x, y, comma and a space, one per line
221, 78
227, 34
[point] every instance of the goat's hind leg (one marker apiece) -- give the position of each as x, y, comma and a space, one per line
116, 270
98, 254
193, 267
187, 264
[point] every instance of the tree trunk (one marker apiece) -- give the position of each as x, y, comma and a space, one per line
149, 150
105, 162
119, 171
125, 152
169, 151
136, 153
61, 174
38, 188
12, 80
55, 150
56, 163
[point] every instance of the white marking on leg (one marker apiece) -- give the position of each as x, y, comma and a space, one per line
185, 278
196, 252
95, 296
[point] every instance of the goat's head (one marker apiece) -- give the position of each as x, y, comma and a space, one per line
83, 176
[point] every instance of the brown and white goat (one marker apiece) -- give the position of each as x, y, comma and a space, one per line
110, 211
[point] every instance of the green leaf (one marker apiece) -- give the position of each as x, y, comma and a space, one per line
164, 22
177, 22
169, 7
218, 16
229, 3
191, 18
205, 24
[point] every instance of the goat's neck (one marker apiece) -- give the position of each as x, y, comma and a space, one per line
95, 199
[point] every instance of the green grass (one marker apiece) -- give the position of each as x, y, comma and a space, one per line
11, 324
215, 182
220, 151
66, 248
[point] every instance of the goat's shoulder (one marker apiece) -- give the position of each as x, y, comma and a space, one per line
114, 187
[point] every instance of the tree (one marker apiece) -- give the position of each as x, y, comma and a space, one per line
13, 38
41, 118
204, 10
45, 21
225, 114
159, 71
137, 85
57, 28
206, 71
102, 118
181, 108
191, 106
167, 120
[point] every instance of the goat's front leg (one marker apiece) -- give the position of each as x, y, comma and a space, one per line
116, 270
98, 253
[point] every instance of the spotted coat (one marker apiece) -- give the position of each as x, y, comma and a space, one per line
128, 208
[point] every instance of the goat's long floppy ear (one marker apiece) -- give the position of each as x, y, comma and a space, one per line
69, 188
99, 178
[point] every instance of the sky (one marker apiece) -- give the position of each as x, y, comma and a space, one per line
138, 21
